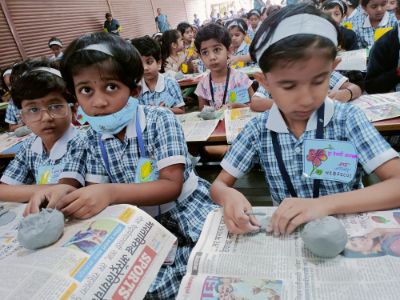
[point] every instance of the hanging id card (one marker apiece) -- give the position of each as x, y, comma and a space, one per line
146, 170
49, 174
238, 95
329, 160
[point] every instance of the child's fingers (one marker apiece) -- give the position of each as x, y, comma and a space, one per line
34, 203
81, 212
70, 203
294, 223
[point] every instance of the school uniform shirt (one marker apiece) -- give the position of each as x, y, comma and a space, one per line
366, 33
243, 50
348, 38
32, 157
164, 142
341, 122
13, 114
252, 32
112, 27
237, 79
174, 65
56, 58
335, 82
166, 91
357, 13
383, 64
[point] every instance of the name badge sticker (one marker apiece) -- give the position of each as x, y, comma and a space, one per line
238, 95
329, 160
49, 174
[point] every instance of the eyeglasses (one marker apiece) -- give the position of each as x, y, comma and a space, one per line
34, 114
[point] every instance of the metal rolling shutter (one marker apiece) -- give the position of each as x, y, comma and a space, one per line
136, 17
175, 10
37, 21
8, 48
196, 7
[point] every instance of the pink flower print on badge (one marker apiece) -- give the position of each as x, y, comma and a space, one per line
316, 157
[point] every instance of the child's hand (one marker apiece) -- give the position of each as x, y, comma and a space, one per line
340, 95
233, 60
235, 208
86, 202
52, 195
293, 212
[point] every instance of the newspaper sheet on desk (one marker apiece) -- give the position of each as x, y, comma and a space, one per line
195, 128
284, 268
114, 255
355, 60
235, 120
379, 106
8, 139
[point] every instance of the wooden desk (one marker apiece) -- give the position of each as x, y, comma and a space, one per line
386, 126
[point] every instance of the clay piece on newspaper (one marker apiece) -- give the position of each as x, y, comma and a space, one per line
325, 237
41, 229
208, 113
22, 131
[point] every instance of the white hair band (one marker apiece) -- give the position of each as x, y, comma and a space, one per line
46, 69
235, 23
55, 43
99, 47
298, 24
7, 72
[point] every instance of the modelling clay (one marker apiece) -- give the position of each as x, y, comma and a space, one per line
22, 131
208, 113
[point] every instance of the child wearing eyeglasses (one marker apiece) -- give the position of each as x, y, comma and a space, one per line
39, 92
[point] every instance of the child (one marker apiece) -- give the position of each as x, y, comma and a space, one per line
223, 85
171, 51
140, 150
296, 50
254, 17
369, 28
55, 46
337, 10
5, 85
40, 94
383, 72
190, 63
13, 114
354, 11
240, 56
157, 89
339, 89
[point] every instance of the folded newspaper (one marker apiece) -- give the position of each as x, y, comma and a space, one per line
379, 107
235, 120
261, 266
114, 255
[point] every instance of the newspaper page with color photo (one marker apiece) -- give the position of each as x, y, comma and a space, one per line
114, 255
261, 266
379, 106
235, 120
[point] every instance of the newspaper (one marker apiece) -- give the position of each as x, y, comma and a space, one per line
355, 60
195, 128
227, 266
379, 106
9, 139
114, 255
235, 120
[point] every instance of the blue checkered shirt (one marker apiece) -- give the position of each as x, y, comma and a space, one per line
13, 114
346, 123
167, 91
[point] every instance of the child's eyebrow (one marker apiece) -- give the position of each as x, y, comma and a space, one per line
212, 46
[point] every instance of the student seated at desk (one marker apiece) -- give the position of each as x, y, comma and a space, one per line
135, 155
223, 85
13, 114
40, 94
340, 89
297, 55
157, 89
239, 49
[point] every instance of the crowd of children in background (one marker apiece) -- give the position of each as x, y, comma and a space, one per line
126, 91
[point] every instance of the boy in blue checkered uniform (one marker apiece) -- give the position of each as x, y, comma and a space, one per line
302, 113
140, 150
367, 26
157, 89
39, 93
13, 116
340, 89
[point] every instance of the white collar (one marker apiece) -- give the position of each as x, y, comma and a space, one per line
131, 127
59, 148
382, 23
275, 121
255, 30
160, 85
241, 47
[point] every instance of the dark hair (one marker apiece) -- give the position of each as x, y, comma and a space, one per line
108, 15
292, 48
147, 47
212, 31
125, 61
253, 12
352, 3
183, 26
272, 8
168, 37
54, 39
238, 23
31, 84
330, 4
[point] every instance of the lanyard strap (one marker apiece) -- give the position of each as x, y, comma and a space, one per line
278, 154
225, 90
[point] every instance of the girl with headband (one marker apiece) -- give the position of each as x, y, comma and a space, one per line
313, 150
254, 17
239, 49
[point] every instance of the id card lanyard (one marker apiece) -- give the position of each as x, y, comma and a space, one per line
278, 154
142, 151
225, 90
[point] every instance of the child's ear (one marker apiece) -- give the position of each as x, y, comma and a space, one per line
336, 62
136, 91
262, 80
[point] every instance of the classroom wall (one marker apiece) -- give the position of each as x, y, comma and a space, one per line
27, 25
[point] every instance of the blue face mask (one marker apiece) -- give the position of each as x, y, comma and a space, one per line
112, 123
